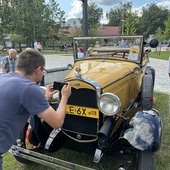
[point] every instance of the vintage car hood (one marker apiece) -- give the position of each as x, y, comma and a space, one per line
103, 72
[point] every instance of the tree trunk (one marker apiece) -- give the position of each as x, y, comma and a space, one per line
20, 48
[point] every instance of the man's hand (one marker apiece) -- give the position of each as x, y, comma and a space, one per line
66, 90
50, 91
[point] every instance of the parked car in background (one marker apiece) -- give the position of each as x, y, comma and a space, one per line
111, 106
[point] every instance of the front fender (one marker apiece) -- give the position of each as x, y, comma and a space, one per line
41, 129
145, 131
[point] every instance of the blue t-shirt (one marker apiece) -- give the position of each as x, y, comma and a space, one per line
19, 98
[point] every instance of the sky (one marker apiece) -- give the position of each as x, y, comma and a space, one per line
73, 8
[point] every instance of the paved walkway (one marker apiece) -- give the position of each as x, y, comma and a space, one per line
162, 79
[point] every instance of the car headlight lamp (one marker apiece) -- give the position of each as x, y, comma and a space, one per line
109, 104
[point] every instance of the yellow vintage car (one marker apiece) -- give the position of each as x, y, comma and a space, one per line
111, 105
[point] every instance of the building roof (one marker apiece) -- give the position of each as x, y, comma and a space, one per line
104, 30
108, 30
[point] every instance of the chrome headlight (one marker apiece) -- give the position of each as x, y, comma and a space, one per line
109, 104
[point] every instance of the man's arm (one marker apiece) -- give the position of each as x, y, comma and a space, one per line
56, 118
3, 65
3, 70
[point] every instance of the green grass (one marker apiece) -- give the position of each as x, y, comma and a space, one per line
162, 156
163, 55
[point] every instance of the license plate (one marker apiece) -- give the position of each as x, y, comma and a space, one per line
82, 111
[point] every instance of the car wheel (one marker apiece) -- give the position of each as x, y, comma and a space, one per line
29, 141
146, 160
147, 92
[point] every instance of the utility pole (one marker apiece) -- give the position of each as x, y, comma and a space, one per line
85, 23
85, 18
123, 21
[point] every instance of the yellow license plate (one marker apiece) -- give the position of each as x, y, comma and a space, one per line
82, 111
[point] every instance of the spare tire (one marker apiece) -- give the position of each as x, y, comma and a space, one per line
147, 92
151, 71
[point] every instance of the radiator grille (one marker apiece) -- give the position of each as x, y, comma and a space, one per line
79, 124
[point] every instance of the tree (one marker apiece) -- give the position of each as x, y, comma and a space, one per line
117, 15
53, 17
5, 18
30, 18
79, 32
152, 18
54, 12
159, 36
167, 29
94, 32
16, 39
94, 15
51, 34
131, 20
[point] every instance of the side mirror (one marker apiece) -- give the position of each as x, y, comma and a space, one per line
153, 43
69, 66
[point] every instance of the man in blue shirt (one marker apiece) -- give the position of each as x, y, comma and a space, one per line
22, 97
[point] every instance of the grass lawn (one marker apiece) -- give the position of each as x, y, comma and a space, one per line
162, 156
164, 55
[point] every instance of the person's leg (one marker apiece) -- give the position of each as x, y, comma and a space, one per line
0, 162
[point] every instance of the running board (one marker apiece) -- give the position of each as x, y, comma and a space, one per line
45, 159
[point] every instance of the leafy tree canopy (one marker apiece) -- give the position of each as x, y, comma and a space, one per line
153, 17
30, 18
94, 15
117, 14
167, 29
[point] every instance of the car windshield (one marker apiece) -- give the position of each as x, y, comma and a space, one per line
112, 47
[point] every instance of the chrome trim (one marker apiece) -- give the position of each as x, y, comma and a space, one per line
89, 81
80, 141
46, 160
113, 96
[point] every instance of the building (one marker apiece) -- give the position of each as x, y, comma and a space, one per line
103, 30
73, 22
109, 30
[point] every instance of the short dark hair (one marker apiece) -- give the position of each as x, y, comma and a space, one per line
28, 60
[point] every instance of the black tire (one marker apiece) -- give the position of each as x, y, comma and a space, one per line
151, 71
147, 92
146, 160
